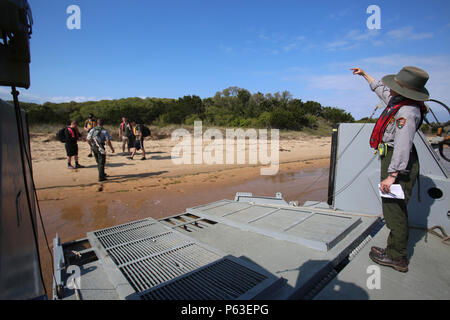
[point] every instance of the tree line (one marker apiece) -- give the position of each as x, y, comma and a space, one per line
232, 107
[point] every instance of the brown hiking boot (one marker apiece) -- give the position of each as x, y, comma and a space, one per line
378, 250
399, 264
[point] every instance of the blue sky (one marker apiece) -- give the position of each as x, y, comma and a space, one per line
169, 49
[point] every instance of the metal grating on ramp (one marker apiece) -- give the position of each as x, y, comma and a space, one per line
141, 248
125, 226
128, 232
305, 226
148, 260
222, 280
146, 273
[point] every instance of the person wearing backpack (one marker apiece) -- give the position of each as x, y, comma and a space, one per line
137, 135
393, 135
71, 138
97, 138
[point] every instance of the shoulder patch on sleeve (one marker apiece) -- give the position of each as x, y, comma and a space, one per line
401, 122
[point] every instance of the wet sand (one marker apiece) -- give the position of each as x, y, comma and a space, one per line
91, 209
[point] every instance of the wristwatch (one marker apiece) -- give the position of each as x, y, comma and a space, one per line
393, 175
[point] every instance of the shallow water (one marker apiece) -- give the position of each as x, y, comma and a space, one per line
72, 218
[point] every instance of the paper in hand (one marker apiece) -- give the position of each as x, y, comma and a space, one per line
396, 192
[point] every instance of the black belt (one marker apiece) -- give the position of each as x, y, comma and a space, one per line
412, 149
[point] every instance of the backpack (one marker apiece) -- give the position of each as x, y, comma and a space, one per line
96, 131
146, 131
95, 139
61, 135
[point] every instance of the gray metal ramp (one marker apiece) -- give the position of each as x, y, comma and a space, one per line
305, 226
302, 267
225, 279
147, 260
428, 276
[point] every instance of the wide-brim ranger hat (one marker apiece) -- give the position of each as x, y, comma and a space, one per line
409, 82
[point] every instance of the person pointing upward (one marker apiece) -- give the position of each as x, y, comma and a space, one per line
394, 133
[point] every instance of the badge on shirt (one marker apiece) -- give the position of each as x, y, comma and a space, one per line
401, 122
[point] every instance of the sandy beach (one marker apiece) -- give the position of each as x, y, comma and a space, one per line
72, 201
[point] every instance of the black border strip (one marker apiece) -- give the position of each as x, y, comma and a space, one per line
333, 159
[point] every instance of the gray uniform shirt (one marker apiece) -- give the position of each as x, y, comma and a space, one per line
399, 133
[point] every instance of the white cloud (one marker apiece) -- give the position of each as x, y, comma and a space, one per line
344, 90
337, 44
397, 60
263, 36
69, 99
340, 82
340, 14
226, 49
28, 96
273, 37
275, 43
407, 33
438, 67
294, 44
356, 35
353, 38
378, 43
5, 94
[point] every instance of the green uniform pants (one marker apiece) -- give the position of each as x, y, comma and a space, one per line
101, 160
395, 210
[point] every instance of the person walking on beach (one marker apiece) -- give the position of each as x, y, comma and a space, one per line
97, 138
89, 124
72, 136
404, 94
136, 140
123, 134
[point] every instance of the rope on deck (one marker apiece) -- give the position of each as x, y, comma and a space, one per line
445, 238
